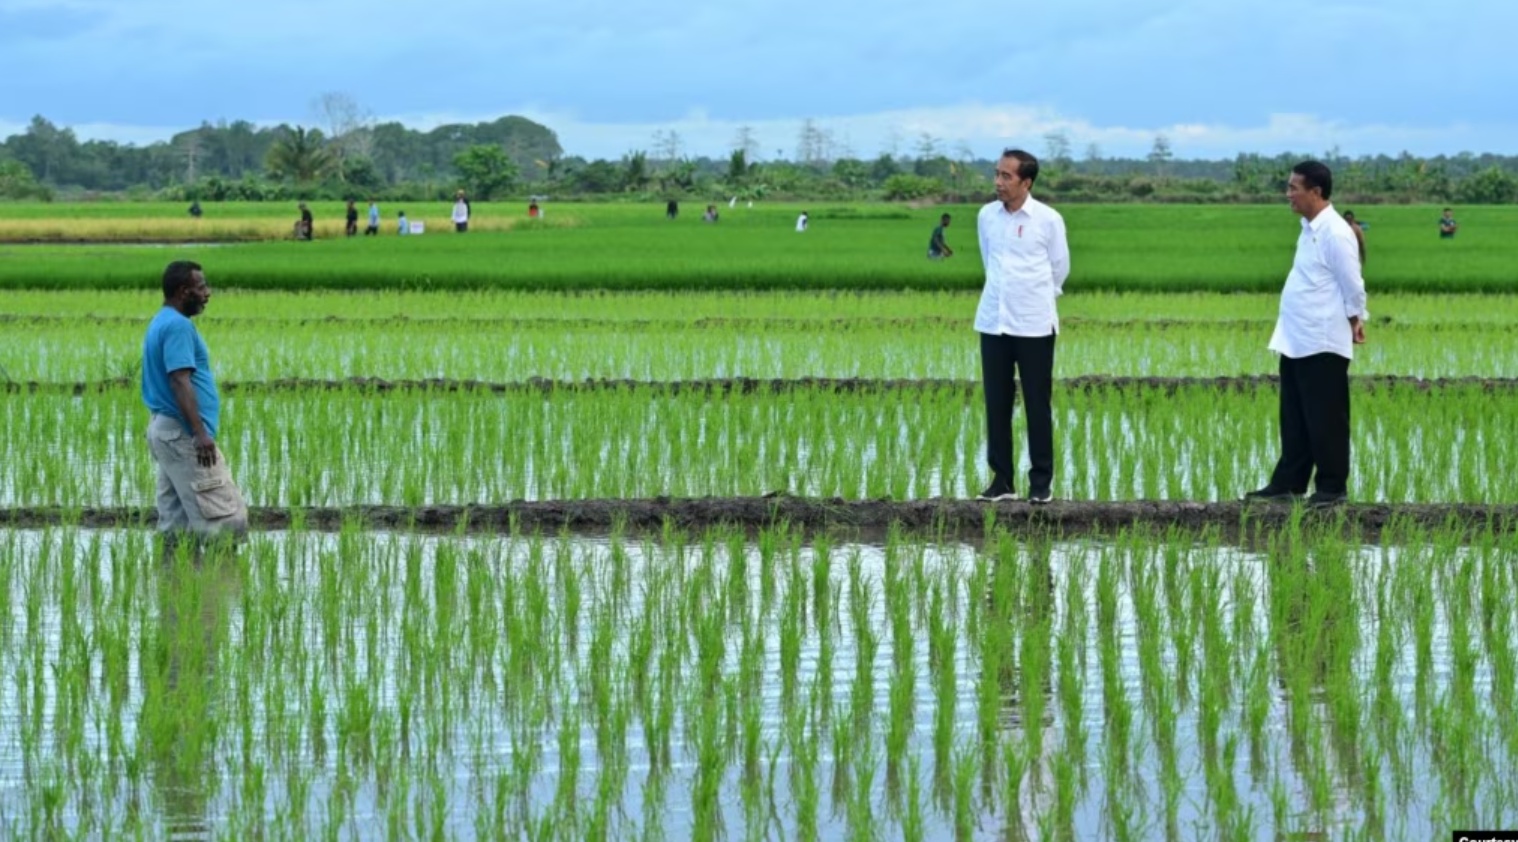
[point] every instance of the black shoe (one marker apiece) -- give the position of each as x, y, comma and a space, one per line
1271, 494
1327, 500
997, 493
1041, 498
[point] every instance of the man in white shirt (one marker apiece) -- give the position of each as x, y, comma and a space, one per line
1022, 243
801, 222
1321, 320
461, 212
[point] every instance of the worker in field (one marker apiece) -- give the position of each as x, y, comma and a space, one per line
1447, 225
374, 219
937, 248
404, 227
350, 220
305, 227
671, 209
1322, 318
1359, 232
196, 495
1027, 259
461, 212
802, 222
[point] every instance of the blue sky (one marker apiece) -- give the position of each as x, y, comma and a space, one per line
1216, 77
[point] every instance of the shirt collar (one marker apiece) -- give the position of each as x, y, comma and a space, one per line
1319, 221
1025, 210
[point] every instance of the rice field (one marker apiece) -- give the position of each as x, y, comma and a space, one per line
1154, 248
721, 685
737, 676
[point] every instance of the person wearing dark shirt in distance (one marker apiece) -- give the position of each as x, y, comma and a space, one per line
350, 220
937, 248
1447, 225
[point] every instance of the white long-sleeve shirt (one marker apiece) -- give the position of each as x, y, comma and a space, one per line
1322, 292
1027, 260
460, 211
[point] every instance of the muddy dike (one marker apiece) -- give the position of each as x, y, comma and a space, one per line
950, 518
751, 385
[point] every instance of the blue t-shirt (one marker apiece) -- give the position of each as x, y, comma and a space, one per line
172, 344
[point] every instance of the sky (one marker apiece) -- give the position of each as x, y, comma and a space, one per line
1216, 77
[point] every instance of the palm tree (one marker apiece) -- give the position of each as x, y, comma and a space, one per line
301, 155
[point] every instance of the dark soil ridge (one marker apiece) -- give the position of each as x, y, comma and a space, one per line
751, 385
715, 322
1366, 521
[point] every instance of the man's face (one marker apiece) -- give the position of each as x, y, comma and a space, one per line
945, 222
1447, 214
1010, 187
1301, 197
196, 296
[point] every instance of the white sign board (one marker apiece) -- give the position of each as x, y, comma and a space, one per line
418, 227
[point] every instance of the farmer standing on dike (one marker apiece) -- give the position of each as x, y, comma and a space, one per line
1321, 320
1027, 259
196, 494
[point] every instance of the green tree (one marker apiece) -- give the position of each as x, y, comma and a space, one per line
635, 171
598, 176
1491, 186
905, 186
852, 172
299, 155
17, 182
737, 167
883, 168
486, 169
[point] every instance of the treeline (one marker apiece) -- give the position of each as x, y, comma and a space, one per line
358, 158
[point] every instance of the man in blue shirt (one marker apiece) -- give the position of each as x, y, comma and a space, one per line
196, 494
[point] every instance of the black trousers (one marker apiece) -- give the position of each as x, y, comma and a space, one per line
1033, 359
1314, 424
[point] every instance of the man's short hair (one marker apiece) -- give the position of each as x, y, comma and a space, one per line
945, 218
1447, 210
178, 275
1316, 174
1027, 165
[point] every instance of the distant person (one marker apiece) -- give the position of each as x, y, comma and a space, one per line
532, 210
1447, 225
196, 495
672, 209
461, 211
404, 227
305, 228
195, 210
710, 215
374, 219
350, 220
732, 203
937, 248
801, 222
1027, 259
1321, 320
1359, 230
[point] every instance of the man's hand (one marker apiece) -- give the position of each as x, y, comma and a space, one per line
205, 449
1358, 327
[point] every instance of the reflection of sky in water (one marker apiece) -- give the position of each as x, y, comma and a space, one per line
262, 694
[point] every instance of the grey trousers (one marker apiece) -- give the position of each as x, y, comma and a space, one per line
193, 499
